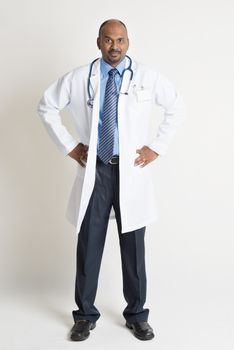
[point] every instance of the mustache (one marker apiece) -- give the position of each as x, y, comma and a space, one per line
114, 51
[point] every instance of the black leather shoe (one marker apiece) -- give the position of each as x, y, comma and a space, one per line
141, 330
80, 330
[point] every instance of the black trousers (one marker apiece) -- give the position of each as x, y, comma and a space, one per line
90, 244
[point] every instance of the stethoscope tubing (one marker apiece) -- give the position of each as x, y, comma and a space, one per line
129, 68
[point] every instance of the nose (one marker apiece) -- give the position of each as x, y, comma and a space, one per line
114, 45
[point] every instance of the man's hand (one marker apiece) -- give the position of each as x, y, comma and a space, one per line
80, 153
146, 155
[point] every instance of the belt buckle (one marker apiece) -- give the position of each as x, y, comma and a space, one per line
113, 158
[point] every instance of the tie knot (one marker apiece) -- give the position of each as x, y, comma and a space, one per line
112, 72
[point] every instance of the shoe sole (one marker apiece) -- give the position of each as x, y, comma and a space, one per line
138, 336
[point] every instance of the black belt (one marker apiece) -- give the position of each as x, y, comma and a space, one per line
114, 160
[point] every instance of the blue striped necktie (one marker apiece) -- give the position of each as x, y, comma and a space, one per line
109, 119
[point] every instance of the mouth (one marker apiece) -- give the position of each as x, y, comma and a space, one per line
114, 53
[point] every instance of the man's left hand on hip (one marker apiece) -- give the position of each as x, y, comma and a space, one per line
146, 156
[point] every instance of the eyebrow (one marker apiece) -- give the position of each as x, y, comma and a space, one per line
108, 37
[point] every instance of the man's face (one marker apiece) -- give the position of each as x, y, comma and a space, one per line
113, 43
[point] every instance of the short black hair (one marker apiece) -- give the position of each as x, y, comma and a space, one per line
110, 20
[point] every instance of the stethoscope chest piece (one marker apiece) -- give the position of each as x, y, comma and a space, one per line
90, 103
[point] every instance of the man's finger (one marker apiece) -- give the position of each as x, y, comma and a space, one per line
139, 161
80, 161
144, 164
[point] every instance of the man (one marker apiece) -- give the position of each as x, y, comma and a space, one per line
111, 102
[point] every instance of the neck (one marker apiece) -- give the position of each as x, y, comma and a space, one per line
114, 64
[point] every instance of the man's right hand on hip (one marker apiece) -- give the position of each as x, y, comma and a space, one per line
80, 153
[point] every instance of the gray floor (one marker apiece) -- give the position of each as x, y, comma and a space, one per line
42, 320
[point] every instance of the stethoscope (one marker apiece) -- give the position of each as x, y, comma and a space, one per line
129, 68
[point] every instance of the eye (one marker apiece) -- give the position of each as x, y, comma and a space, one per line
107, 40
121, 40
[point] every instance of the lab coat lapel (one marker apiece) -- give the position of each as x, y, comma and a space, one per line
89, 178
95, 78
127, 84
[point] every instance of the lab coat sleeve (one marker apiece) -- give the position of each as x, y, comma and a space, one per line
171, 101
56, 98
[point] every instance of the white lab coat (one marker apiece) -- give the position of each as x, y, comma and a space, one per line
148, 87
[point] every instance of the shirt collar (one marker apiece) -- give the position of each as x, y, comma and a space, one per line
106, 67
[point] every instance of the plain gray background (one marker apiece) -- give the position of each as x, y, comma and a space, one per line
189, 251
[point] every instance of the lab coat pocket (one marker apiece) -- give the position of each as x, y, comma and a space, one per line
143, 95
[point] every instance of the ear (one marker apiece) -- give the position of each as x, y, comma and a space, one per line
98, 43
